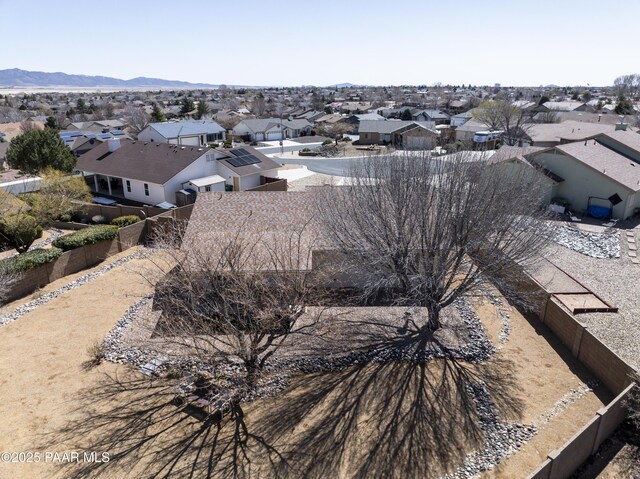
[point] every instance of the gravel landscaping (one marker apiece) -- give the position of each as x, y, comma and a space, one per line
504, 440
596, 245
616, 281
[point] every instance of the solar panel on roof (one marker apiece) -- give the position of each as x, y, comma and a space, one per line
91, 136
234, 162
104, 136
117, 132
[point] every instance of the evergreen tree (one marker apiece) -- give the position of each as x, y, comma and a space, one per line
203, 109
406, 115
156, 115
36, 150
51, 123
187, 106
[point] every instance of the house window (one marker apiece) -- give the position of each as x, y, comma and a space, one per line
128, 186
366, 136
207, 188
146, 189
213, 137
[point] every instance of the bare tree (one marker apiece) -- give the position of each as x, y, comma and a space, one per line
258, 105
235, 299
548, 117
334, 130
422, 230
136, 118
502, 115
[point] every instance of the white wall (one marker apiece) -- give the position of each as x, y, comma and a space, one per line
150, 134
220, 186
226, 173
156, 192
18, 187
198, 169
186, 140
240, 129
250, 181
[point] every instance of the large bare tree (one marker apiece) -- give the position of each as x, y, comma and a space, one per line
236, 298
423, 230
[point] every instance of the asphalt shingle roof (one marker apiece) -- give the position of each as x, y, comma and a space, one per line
605, 160
150, 162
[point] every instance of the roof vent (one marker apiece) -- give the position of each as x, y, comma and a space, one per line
182, 147
146, 142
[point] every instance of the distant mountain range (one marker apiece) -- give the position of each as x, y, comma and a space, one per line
15, 77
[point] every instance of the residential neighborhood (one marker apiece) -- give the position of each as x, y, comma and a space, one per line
217, 262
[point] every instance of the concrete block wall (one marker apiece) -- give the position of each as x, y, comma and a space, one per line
563, 462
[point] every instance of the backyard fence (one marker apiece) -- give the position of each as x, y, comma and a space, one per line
605, 365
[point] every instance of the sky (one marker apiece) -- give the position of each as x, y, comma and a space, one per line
292, 43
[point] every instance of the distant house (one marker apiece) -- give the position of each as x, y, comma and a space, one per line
79, 142
402, 134
356, 119
154, 173
436, 116
461, 118
603, 172
466, 131
98, 126
562, 106
190, 133
272, 129
551, 134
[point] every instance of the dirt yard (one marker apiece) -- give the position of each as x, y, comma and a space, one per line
394, 419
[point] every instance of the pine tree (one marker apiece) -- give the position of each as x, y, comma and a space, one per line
36, 150
156, 115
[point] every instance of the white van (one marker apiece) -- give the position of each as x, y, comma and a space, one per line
484, 136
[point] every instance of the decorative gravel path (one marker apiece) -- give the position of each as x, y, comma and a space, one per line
82, 280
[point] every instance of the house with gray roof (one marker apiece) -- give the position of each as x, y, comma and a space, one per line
436, 116
601, 172
153, 172
401, 134
562, 106
97, 126
188, 133
266, 129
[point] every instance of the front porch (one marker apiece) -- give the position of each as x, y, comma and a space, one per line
105, 185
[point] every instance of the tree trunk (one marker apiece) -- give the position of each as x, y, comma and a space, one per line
253, 371
434, 318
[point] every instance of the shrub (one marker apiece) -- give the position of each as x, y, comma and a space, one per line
327, 142
19, 231
88, 236
29, 260
96, 353
122, 221
66, 217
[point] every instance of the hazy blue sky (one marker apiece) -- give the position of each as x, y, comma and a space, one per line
282, 42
